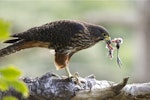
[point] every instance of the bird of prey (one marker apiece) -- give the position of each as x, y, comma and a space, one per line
66, 37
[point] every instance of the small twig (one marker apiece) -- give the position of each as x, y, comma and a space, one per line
117, 88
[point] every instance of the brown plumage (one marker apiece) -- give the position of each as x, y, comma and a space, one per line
66, 37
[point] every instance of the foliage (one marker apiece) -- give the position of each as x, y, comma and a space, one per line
4, 29
9, 98
9, 76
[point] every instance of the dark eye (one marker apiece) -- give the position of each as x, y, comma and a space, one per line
104, 34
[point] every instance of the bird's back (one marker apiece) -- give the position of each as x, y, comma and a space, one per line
58, 35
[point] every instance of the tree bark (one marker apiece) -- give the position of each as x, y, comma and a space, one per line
52, 87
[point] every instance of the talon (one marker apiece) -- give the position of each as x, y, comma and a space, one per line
76, 76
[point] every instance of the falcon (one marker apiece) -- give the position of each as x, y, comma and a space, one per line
65, 37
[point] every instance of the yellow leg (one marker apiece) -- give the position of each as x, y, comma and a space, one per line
75, 76
68, 71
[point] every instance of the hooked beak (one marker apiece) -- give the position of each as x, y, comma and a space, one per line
107, 40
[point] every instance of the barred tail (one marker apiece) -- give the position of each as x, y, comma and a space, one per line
10, 49
18, 44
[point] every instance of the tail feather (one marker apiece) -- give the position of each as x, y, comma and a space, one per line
20, 41
12, 40
21, 44
14, 47
10, 49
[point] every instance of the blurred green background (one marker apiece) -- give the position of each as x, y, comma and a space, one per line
122, 18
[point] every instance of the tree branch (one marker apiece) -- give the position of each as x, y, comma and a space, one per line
52, 87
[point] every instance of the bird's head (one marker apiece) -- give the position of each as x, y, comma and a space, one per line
99, 33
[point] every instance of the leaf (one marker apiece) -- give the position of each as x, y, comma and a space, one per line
9, 98
9, 76
3, 84
4, 29
10, 73
20, 87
